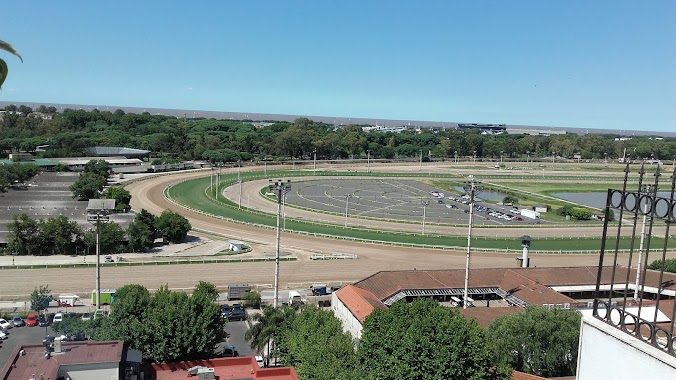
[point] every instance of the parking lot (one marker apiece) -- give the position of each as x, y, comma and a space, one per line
397, 199
21, 336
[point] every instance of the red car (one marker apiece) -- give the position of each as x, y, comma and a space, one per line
32, 320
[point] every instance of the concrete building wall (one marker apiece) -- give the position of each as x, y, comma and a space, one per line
93, 371
608, 353
350, 323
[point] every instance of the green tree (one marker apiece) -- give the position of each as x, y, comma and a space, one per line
581, 213
266, 325
99, 167
166, 326
3, 65
315, 344
669, 265
207, 290
110, 238
60, 233
88, 186
120, 195
23, 235
252, 299
538, 341
173, 226
40, 298
510, 200
139, 236
424, 340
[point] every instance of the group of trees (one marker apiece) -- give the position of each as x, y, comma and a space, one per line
70, 132
166, 326
422, 340
60, 235
16, 174
93, 179
577, 213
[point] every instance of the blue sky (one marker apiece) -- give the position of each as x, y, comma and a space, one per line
587, 64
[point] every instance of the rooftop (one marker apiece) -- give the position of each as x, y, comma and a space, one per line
32, 361
241, 368
361, 302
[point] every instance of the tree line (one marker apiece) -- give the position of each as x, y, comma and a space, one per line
420, 340
60, 235
68, 134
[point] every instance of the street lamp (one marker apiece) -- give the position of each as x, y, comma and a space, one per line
239, 166
424, 204
347, 206
240, 195
527, 156
368, 161
474, 157
421, 158
97, 212
211, 185
471, 187
455, 154
553, 156
279, 188
501, 153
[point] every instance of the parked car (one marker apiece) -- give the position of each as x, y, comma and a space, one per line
238, 313
3, 335
58, 317
31, 320
17, 321
226, 311
229, 352
43, 321
86, 316
4, 324
109, 259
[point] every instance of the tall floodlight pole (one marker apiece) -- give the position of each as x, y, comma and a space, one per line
265, 163
240, 195
455, 154
502, 152
471, 188
424, 205
97, 212
553, 156
279, 188
651, 190
239, 167
474, 158
368, 161
347, 207
218, 181
211, 177
421, 158
314, 163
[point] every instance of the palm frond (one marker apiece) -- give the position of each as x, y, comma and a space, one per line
7, 47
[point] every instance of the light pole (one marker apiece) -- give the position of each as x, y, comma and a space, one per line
239, 166
347, 206
279, 188
368, 161
218, 182
97, 212
455, 154
502, 152
424, 204
474, 155
421, 158
527, 156
265, 163
314, 164
211, 186
553, 156
240, 195
652, 191
471, 188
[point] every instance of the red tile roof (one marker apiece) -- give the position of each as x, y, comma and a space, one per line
244, 367
360, 302
516, 375
21, 367
486, 315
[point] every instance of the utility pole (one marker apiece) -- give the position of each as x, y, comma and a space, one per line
279, 188
347, 206
421, 158
97, 212
314, 164
424, 204
218, 181
368, 161
240, 194
471, 188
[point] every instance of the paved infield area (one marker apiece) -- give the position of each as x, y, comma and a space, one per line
148, 194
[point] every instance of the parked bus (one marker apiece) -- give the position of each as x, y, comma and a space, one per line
107, 296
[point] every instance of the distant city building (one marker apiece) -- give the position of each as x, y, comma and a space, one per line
534, 132
486, 129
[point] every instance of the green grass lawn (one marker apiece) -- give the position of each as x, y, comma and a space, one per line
193, 194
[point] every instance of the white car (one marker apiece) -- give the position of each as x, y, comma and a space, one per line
4, 324
2, 335
58, 317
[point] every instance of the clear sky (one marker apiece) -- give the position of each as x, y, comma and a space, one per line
588, 64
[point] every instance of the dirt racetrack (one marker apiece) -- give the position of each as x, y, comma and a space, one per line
148, 194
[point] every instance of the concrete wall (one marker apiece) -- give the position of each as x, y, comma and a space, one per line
608, 353
350, 323
94, 371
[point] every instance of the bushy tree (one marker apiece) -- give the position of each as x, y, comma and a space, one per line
88, 186
110, 238
24, 235
582, 213
121, 196
252, 299
139, 236
669, 265
40, 298
538, 341
166, 326
98, 167
173, 226
316, 346
60, 233
424, 340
